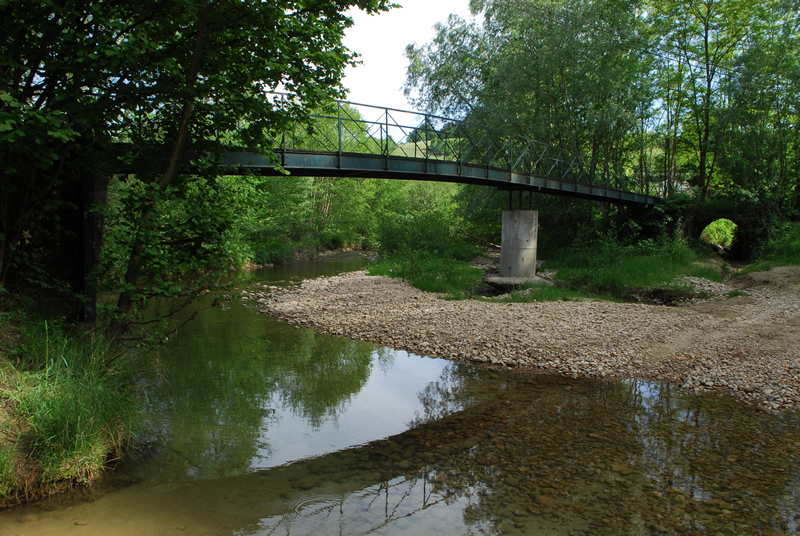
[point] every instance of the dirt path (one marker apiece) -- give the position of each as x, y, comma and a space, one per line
749, 344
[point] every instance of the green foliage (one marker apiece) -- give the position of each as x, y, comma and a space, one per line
783, 250
721, 233
609, 269
701, 96
169, 77
582, 93
417, 216
418, 240
8, 467
429, 231
272, 252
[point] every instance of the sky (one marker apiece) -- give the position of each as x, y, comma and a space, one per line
381, 41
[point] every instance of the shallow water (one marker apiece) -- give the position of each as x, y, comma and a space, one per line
259, 428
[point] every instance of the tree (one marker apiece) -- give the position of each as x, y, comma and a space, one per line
700, 40
761, 123
705, 89
567, 73
563, 74
447, 75
165, 76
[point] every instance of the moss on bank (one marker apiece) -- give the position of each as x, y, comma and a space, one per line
68, 406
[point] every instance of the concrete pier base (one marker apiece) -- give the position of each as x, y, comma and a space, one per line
518, 248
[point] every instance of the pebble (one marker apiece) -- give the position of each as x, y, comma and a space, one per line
745, 347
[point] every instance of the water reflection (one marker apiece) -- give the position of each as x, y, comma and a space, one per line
529, 455
263, 429
570, 460
239, 391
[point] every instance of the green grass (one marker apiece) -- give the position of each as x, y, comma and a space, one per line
72, 396
8, 480
602, 271
782, 251
607, 269
456, 279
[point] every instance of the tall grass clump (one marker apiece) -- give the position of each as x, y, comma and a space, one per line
74, 401
610, 269
431, 272
8, 468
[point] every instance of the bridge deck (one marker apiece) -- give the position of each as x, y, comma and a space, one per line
333, 164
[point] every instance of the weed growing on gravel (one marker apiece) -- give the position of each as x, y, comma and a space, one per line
540, 293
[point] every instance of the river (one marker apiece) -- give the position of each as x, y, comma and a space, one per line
260, 428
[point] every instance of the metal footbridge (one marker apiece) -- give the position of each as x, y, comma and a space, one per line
357, 140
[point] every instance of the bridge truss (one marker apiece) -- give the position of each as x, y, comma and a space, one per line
357, 140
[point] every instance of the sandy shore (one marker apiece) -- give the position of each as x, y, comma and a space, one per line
749, 345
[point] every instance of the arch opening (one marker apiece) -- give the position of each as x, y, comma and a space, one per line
721, 234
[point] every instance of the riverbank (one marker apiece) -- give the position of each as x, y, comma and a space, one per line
743, 344
68, 406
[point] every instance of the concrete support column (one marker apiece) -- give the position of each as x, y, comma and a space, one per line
518, 248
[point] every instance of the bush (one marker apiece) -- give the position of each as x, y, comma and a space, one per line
783, 250
272, 252
425, 231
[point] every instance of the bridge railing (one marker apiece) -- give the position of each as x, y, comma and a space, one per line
346, 127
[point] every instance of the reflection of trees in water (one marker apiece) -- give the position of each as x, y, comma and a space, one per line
504, 451
217, 387
323, 375
534, 454
712, 453
450, 393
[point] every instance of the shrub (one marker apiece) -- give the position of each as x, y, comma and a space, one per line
783, 250
272, 252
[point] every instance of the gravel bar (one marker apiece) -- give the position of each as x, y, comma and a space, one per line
747, 345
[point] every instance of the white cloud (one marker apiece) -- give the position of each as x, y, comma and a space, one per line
381, 41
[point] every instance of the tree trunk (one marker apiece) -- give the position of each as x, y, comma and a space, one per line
94, 193
136, 259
